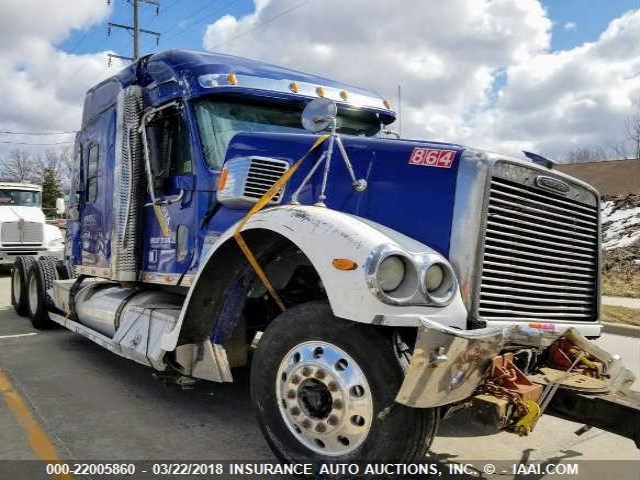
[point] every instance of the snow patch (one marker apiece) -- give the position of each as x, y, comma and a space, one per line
620, 226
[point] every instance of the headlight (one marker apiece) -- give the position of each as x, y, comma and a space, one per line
439, 283
56, 243
390, 273
434, 277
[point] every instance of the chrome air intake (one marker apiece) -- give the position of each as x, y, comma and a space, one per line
247, 179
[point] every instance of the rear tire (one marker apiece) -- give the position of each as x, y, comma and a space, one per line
19, 274
324, 390
41, 277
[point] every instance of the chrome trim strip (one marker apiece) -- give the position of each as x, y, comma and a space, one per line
304, 89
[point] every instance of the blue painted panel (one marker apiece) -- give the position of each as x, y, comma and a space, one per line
416, 200
96, 218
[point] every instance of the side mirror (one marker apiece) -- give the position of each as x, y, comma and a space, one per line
61, 208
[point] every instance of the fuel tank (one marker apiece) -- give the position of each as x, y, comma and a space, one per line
103, 306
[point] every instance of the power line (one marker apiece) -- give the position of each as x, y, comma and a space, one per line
62, 132
134, 29
196, 21
34, 144
262, 24
191, 15
165, 9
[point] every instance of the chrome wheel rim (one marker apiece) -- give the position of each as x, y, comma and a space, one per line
324, 398
17, 287
33, 294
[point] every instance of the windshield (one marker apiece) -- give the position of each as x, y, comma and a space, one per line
20, 198
219, 120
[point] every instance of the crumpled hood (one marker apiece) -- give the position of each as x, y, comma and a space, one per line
13, 213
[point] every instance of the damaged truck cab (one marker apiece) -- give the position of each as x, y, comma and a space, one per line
226, 212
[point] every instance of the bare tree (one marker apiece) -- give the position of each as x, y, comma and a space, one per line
583, 155
23, 166
632, 130
19, 166
59, 162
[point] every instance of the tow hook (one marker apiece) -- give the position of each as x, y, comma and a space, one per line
573, 383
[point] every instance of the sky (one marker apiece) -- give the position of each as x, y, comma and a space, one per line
549, 76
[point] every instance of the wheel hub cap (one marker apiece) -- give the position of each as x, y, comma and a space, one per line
324, 398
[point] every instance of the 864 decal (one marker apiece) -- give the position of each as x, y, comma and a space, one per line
432, 157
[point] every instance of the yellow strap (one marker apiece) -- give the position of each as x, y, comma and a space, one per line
162, 220
260, 204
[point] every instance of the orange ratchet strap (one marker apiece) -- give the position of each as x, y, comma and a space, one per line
266, 198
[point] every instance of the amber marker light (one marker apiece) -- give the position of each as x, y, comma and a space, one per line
293, 86
344, 264
320, 91
344, 95
388, 104
232, 79
222, 179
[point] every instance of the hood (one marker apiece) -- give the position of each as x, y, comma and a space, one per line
13, 213
410, 184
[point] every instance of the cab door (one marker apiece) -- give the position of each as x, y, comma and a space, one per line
95, 197
169, 240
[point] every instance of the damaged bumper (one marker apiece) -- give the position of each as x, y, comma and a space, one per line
449, 367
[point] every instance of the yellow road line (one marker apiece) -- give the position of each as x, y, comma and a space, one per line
38, 439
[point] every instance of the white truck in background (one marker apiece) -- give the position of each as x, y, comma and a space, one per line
23, 229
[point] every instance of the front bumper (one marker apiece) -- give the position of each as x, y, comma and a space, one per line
8, 256
448, 365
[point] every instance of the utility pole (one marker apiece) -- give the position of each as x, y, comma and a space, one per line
135, 30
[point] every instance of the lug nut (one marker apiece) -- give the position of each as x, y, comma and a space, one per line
320, 374
306, 423
320, 428
337, 404
291, 394
295, 411
333, 386
332, 420
295, 379
306, 371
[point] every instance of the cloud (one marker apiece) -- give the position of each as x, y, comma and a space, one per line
577, 98
570, 25
473, 71
41, 86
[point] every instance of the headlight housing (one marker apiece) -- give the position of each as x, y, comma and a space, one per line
56, 243
398, 277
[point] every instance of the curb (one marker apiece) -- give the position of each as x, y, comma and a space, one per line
621, 329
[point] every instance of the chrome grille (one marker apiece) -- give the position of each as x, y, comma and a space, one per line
21, 232
263, 173
540, 256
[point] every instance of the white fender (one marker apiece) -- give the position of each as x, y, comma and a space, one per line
324, 235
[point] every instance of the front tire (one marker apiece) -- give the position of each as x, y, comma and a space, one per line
324, 390
40, 279
19, 274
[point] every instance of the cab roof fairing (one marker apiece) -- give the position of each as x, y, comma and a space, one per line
176, 73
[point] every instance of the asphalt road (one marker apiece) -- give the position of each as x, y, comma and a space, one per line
94, 405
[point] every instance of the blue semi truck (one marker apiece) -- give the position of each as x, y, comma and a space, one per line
225, 212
